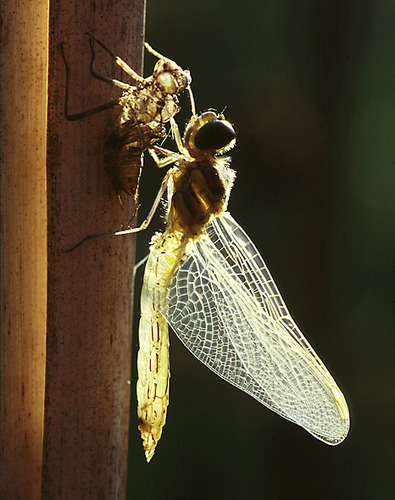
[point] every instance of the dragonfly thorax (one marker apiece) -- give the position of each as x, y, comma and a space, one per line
199, 193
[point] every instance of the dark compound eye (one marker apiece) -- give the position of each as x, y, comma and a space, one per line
214, 135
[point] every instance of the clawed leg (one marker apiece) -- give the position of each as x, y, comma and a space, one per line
138, 265
177, 138
153, 51
121, 63
125, 86
169, 157
132, 230
88, 112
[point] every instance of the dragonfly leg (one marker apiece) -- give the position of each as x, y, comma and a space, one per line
177, 138
153, 51
121, 63
169, 158
191, 100
138, 265
146, 222
83, 114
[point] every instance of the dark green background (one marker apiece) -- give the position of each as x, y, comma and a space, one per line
310, 87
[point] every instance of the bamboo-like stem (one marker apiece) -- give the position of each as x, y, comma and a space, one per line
90, 289
23, 111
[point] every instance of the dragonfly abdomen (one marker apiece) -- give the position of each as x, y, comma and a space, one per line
167, 251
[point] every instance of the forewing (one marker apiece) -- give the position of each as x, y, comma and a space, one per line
225, 307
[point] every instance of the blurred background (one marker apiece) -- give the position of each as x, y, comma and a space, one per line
310, 87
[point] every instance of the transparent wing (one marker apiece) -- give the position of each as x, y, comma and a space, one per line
225, 307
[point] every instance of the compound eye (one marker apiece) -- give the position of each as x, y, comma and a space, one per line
215, 135
167, 83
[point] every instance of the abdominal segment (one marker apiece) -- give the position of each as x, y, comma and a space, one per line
167, 251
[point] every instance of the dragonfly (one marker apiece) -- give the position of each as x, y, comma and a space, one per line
206, 279
146, 108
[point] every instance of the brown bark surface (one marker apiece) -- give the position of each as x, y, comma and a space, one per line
90, 289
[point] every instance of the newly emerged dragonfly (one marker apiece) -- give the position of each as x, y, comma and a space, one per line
146, 108
205, 278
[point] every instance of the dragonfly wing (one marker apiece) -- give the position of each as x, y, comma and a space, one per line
225, 307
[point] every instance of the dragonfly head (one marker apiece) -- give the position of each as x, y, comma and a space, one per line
209, 134
170, 77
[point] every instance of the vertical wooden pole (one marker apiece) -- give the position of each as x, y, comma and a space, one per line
23, 111
89, 324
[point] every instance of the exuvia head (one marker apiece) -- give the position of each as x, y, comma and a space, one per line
208, 134
171, 78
